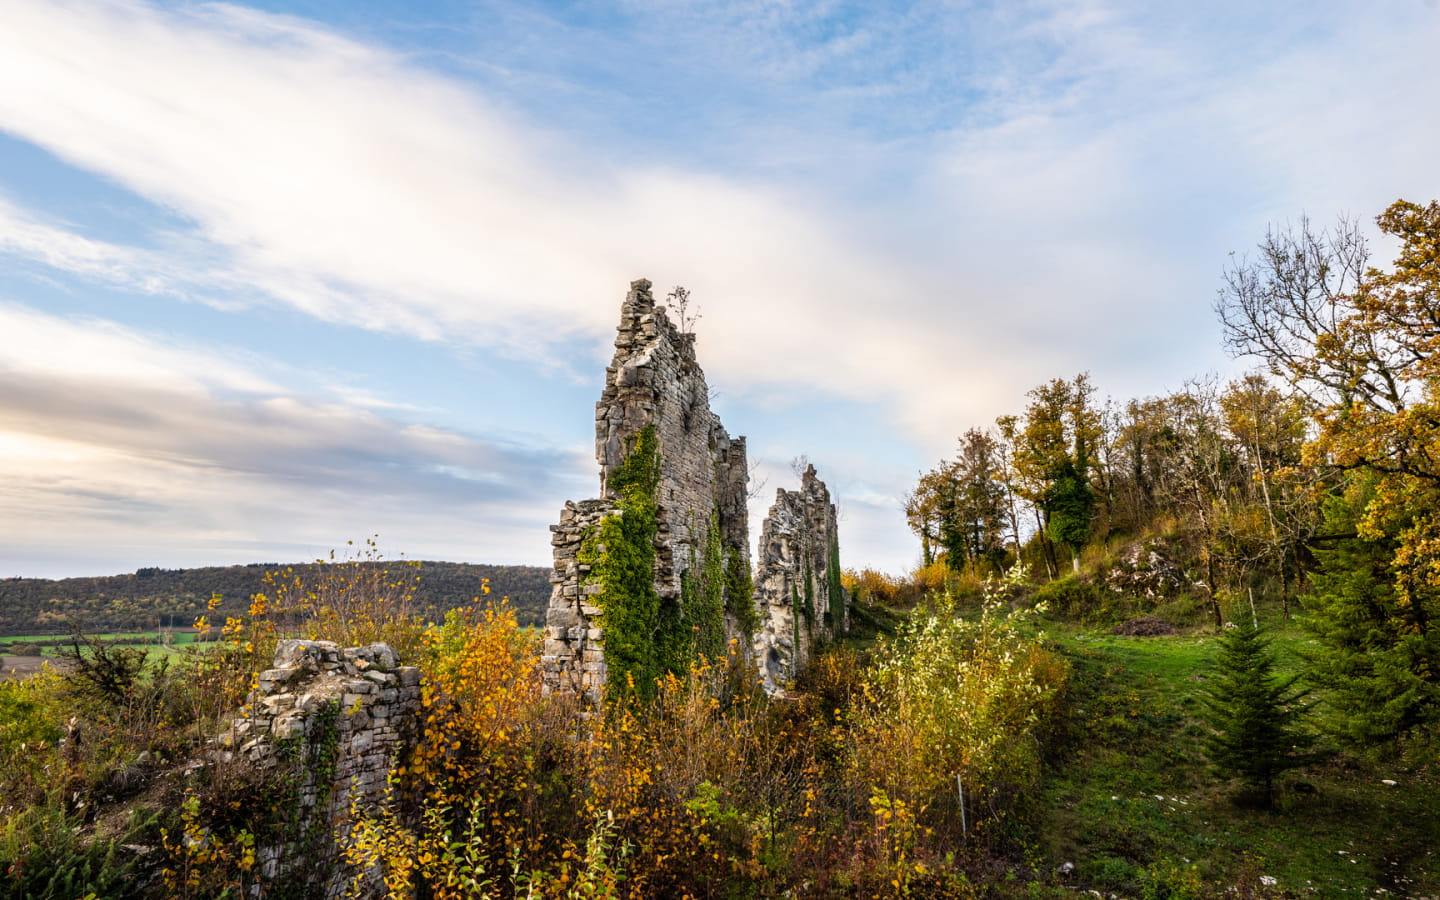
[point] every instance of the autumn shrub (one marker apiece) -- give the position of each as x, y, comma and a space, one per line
700, 786
951, 705
832, 680
31, 714
1070, 597
88, 762
704, 783
899, 591
354, 598
481, 799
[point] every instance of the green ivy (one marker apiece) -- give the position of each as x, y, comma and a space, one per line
705, 612
306, 832
740, 595
836, 590
620, 551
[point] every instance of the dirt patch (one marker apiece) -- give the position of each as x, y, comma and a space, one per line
22, 666
1145, 626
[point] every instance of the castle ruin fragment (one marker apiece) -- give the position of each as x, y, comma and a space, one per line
797, 586
655, 391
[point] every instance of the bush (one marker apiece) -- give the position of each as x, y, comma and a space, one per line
949, 699
1069, 598
30, 716
45, 857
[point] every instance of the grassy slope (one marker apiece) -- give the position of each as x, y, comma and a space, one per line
1131, 803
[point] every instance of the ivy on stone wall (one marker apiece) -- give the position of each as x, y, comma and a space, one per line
740, 596
836, 613
621, 556
702, 596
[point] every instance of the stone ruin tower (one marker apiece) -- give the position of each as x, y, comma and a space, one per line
653, 380
797, 586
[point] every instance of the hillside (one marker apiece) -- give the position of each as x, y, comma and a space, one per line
1131, 807
152, 597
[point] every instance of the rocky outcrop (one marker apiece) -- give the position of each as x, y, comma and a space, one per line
797, 584
654, 382
1142, 570
338, 716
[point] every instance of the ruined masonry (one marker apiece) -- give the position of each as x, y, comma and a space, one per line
341, 715
654, 380
798, 582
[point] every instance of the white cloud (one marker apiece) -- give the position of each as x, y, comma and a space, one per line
383, 196
112, 439
106, 353
1057, 191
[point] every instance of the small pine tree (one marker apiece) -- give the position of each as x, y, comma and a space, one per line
1254, 715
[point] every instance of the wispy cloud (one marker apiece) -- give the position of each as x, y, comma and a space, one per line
385, 196
926, 209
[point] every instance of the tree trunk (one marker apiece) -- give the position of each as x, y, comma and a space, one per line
1047, 549
1210, 589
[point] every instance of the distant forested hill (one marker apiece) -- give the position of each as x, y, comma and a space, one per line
153, 597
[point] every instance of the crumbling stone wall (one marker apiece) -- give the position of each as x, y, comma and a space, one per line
797, 585
342, 714
574, 657
653, 381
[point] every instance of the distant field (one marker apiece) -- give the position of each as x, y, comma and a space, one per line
178, 638
21, 666
18, 665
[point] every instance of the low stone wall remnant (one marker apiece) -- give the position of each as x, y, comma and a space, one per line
341, 716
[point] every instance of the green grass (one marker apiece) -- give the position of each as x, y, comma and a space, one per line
149, 639
1132, 803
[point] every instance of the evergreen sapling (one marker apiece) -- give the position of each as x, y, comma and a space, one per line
1254, 715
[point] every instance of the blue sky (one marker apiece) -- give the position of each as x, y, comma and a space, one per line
278, 276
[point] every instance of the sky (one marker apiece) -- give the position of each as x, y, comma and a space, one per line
281, 276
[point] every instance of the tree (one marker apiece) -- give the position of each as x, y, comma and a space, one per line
961, 506
1054, 458
979, 511
922, 510
1253, 714
1361, 344
1269, 427
1202, 466
1378, 652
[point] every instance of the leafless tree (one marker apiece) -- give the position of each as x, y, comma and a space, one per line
685, 317
1294, 298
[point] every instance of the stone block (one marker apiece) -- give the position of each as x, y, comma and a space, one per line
292, 652
288, 727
